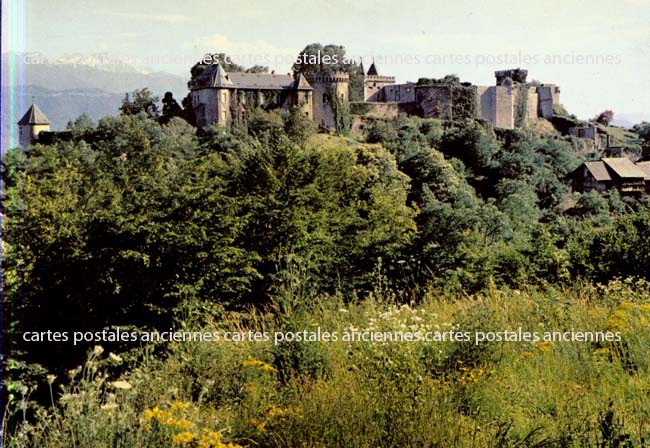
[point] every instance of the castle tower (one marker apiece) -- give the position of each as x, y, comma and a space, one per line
373, 83
33, 123
211, 96
303, 95
222, 85
329, 90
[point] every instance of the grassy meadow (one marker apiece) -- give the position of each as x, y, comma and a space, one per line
362, 394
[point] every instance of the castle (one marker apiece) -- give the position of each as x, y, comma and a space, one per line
218, 97
222, 98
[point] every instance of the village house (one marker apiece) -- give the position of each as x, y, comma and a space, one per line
612, 172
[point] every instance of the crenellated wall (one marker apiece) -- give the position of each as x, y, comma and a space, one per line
374, 85
324, 86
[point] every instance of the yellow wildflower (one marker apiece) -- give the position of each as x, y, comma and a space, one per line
618, 321
601, 352
184, 438
252, 362
183, 424
179, 406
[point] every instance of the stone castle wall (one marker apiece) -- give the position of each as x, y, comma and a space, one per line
399, 93
205, 103
323, 89
373, 87
496, 104
381, 110
434, 102
533, 103
549, 95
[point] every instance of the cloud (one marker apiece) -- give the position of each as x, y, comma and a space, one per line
246, 53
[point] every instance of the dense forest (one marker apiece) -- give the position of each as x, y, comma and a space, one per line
142, 223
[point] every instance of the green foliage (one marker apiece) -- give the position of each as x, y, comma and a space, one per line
129, 222
318, 58
227, 63
299, 127
448, 80
341, 110
521, 108
643, 131
605, 117
141, 100
120, 222
464, 105
261, 122
391, 394
359, 108
462, 95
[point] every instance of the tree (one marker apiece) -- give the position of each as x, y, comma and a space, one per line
170, 107
299, 127
316, 58
227, 64
83, 123
643, 131
605, 117
143, 101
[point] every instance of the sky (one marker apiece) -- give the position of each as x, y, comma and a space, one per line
597, 51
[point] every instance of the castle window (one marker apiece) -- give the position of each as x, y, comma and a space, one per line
325, 98
223, 95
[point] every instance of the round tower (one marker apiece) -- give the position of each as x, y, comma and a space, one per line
330, 93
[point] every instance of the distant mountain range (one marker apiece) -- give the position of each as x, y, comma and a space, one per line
77, 84
629, 120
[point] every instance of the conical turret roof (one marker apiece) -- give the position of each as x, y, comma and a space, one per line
34, 115
372, 71
301, 83
220, 77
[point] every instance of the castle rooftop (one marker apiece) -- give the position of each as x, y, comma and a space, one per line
215, 76
34, 115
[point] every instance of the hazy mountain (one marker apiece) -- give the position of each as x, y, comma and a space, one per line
60, 106
74, 84
629, 120
93, 71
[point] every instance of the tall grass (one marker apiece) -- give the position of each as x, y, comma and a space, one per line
356, 394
